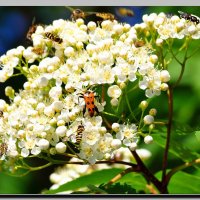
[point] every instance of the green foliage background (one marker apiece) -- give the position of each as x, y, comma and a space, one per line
184, 144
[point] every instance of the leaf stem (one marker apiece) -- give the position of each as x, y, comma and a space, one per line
120, 175
178, 168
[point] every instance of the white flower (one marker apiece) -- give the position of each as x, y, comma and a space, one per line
114, 91
57, 106
2, 104
24, 152
43, 81
128, 134
55, 92
114, 102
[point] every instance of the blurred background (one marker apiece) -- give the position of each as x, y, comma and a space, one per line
14, 24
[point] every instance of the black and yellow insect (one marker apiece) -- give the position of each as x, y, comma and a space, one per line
3, 148
139, 43
189, 17
32, 29
79, 133
78, 13
53, 37
125, 12
1, 113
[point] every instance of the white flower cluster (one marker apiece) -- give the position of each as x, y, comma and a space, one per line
169, 27
46, 114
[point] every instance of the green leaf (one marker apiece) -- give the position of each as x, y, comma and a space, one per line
136, 180
184, 183
119, 188
95, 178
197, 133
176, 148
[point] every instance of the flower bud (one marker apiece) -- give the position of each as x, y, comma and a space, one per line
164, 76
43, 144
61, 147
116, 144
151, 127
159, 42
148, 119
61, 131
60, 123
92, 26
148, 139
164, 87
69, 51
143, 105
153, 112
114, 102
153, 58
9, 92
115, 127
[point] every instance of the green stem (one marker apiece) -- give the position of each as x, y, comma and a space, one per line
129, 107
110, 114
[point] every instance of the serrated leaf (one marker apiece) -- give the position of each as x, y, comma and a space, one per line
119, 188
95, 178
96, 190
136, 180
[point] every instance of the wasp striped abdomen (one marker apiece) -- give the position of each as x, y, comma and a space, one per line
53, 37
79, 134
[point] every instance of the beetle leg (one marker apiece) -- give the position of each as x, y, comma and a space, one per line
96, 109
84, 109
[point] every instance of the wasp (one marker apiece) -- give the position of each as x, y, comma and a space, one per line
32, 29
79, 133
53, 37
3, 148
89, 98
1, 113
139, 43
189, 17
78, 13
124, 12
105, 16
